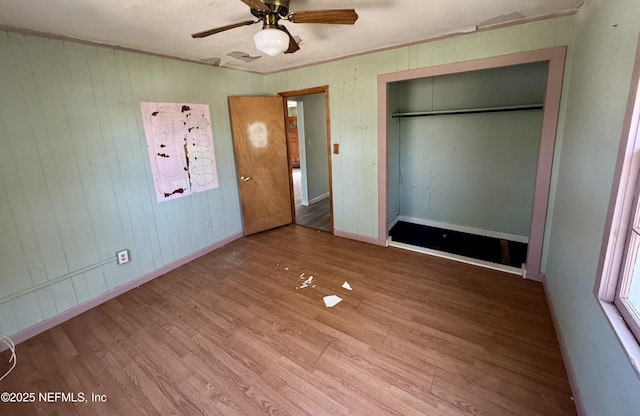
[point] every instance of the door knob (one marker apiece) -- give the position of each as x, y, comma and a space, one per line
245, 178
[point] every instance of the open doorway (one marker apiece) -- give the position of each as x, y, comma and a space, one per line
308, 141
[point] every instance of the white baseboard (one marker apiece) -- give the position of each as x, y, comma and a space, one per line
456, 257
465, 229
314, 200
358, 237
55, 320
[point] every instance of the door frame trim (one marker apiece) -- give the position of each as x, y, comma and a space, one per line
309, 91
556, 58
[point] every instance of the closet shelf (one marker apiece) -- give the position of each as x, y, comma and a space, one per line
470, 110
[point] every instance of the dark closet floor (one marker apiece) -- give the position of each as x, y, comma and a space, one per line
479, 247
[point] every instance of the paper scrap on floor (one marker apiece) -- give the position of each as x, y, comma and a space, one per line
331, 301
346, 285
306, 283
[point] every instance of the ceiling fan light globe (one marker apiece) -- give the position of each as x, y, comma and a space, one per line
271, 41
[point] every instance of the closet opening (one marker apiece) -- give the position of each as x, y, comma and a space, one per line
467, 158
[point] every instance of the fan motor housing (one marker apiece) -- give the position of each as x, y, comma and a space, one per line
280, 7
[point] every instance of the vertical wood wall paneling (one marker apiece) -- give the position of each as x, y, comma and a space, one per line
15, 276
87, 102
368, 84
99, 193
80, 288
75, 179
15, 166
59, 173
355, 174
25, 265
80, 111
45, 302
109, 91
348, 166
8, 323
139, 68
200, 206
134, 190
95, 282
26, 310
223, 205
161, 87
193, 225
64, 296
106, 91
38, 190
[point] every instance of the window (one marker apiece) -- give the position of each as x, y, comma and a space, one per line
618, 286
627, 294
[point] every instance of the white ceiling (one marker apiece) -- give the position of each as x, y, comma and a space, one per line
164, 26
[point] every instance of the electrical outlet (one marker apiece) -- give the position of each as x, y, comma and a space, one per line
123, 256
208, 222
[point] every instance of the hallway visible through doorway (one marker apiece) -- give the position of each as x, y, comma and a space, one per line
316, 215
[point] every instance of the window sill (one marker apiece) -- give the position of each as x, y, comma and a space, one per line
627, 340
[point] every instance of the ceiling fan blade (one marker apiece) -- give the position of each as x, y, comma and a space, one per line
335, 17
293, 45
256, 4
223, 28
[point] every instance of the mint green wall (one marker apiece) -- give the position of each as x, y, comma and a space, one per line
472, 170
353, 102
394, 105
313, 138
603, 56
75, 183
597, 78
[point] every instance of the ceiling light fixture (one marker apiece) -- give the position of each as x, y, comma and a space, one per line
271, 41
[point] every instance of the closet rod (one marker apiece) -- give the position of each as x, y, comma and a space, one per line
470, 110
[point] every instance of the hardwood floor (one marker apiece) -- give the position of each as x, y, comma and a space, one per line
316, 216
234, 333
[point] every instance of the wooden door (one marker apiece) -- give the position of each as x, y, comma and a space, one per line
294, 145
260, 144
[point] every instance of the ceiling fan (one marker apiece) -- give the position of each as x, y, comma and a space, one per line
274, 38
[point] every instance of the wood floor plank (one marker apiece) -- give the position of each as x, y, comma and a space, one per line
234, 333
465, 397
376, 389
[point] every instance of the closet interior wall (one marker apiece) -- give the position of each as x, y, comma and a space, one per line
472, 170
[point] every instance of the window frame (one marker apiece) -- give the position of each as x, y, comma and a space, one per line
616, 265
631, 249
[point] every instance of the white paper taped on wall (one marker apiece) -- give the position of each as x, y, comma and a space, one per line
180, 146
